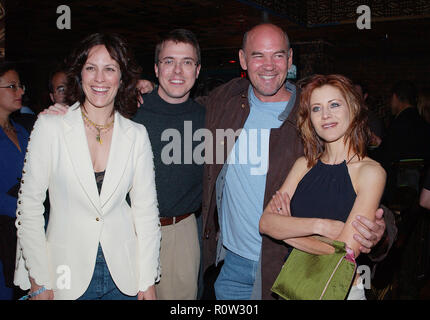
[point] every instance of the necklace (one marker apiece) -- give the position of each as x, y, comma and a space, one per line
8, 127
98, 127
346, 160
351, 158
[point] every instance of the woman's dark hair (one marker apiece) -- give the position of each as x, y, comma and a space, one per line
125, 100
358, 132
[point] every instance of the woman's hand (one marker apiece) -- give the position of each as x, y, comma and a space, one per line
148, 294
58, 109
45, 295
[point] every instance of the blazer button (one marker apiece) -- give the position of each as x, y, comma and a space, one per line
243, 105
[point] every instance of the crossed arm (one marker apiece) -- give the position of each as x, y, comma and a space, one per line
365, 217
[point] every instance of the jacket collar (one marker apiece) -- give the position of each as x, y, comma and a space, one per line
291, 103
77, 145
290, 112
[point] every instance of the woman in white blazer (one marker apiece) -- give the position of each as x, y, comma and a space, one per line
96, 245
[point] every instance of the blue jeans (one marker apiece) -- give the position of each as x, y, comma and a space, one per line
102, 286
236, 278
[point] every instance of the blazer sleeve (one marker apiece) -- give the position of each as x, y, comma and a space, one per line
145, 212
32, 254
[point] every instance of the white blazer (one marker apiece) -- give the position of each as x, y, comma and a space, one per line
63, 258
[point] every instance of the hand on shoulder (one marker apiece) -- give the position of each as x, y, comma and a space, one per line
56, 109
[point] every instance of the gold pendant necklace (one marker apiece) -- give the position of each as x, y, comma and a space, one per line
98, 127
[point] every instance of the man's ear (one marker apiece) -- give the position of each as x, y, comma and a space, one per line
242, 60
52, 97
198, 70
290, 58
156, 70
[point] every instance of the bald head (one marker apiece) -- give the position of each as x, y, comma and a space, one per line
265, 27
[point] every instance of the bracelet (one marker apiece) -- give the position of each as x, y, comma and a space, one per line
350, 256
33, 294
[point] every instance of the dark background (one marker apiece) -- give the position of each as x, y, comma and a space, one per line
323, 34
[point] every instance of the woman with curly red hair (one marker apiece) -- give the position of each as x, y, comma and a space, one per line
334, 182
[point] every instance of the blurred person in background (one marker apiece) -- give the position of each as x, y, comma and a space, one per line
13, 143
57, 86
424, 104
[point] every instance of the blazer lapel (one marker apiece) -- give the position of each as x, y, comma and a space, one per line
118, 157
79, 154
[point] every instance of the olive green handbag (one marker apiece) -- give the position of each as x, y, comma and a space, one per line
306, 276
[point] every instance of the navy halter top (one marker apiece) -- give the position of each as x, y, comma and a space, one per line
325, 191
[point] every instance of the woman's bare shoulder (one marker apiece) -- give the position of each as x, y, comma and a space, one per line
369, 172
297, 172
301, 166
370, 166
301, 162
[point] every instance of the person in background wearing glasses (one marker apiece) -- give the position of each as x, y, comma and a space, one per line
57, 86
13, 143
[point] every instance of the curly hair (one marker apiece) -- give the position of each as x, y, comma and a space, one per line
125, 100
357, 134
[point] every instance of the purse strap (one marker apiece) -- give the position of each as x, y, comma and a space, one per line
339, 246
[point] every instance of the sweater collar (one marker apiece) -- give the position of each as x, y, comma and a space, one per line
168, 108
